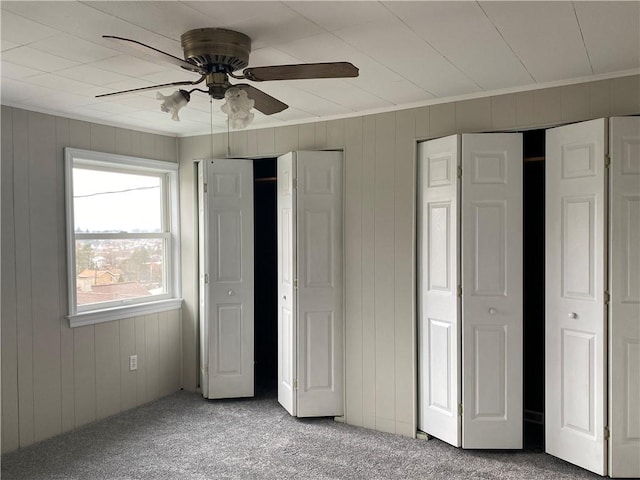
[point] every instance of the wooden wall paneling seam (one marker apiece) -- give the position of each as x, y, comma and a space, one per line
306, 136
189, 248
103, 138
43, 222
266, 141
599, 99
404, 273
147, 145
67, 399
108, 379
23, 280
368, 277
163, 353
9, 347
384, 264
353, 270
123, 142
335, 134
79, 134
442, 119
421, 131
473, 115
140, 347
575, 102
624, 95
127, 377
152, 352
286, 139
174, 339
321, 135
503, 111
180, 351
84, 374
547, 106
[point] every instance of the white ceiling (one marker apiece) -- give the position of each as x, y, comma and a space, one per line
409, 53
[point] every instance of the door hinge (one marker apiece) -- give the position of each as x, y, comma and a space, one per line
607, 160
607, 433
206, 278
607, 297
459, 291
459, 172
206, 187
295, 283
295, 384
295, 183
459, 409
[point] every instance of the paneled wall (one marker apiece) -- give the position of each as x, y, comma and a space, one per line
380, 179
55, 378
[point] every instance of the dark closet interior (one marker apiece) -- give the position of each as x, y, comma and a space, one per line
533, 298
265, 276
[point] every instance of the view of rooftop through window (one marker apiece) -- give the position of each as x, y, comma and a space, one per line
113, 214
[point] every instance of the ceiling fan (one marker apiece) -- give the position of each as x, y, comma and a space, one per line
215, 54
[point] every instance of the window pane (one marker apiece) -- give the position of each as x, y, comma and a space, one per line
105, 201
115, 270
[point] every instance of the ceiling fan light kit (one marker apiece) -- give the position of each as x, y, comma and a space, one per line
215, 54
173, 103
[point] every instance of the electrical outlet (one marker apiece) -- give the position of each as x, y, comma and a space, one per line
133, 362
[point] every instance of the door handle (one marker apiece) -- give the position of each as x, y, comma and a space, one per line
573, 315
284, 297
230, 293
492, 311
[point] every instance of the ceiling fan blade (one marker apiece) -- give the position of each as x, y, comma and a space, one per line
152, 87
159, 54
262, 101
301, 71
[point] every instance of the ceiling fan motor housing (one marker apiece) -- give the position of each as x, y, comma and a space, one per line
217, 49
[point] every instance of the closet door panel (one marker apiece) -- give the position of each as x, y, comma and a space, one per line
287, 272
492, 290
439, 367
575, 283
320, 323
230, 310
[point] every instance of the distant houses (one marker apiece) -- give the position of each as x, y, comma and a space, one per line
95, 286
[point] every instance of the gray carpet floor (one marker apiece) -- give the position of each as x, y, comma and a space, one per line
185, 437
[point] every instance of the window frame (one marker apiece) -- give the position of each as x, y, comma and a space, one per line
170, 235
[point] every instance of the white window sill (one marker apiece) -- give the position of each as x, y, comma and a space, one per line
118, 313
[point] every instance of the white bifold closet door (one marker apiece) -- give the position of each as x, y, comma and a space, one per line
624, 282
575, 309
226, 278
439, 312
470, 290
310, 283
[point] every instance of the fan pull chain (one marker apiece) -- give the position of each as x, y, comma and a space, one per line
211, 124
228, 139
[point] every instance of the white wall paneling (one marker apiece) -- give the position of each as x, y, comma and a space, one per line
55, 378
624, 288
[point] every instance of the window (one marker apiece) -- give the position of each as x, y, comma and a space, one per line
122, 236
